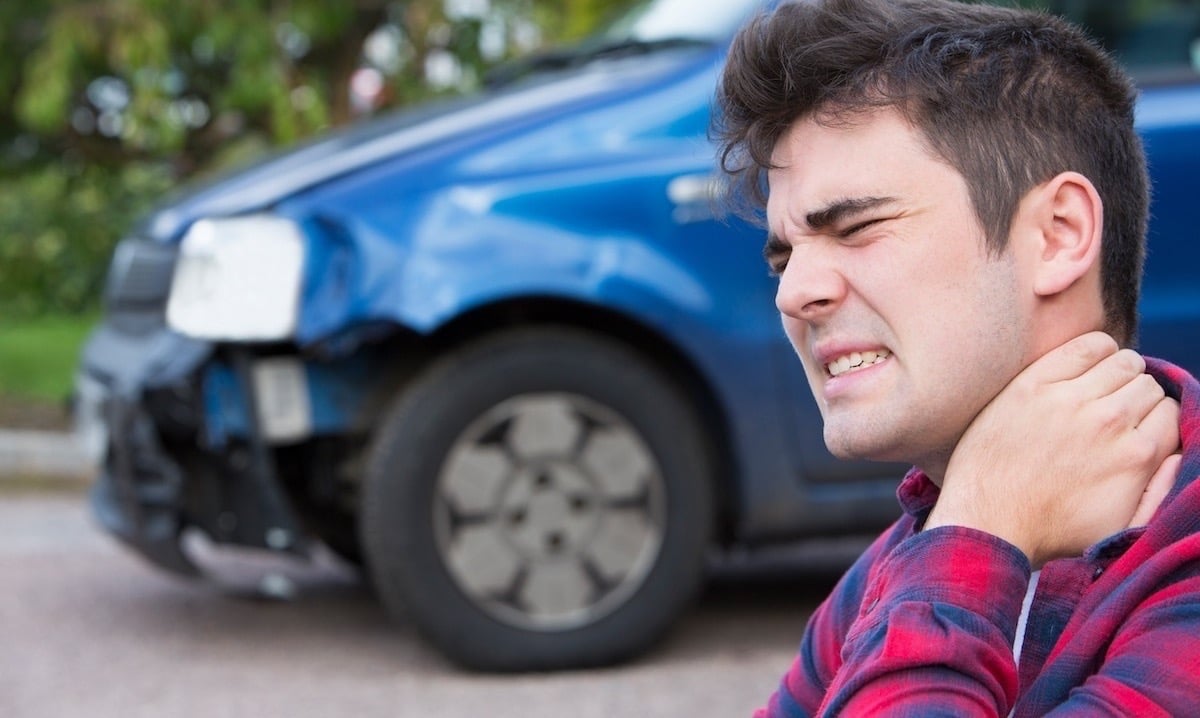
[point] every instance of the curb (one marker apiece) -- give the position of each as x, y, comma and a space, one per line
26, 454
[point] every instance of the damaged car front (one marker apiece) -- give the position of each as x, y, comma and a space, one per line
491, 349
197, 400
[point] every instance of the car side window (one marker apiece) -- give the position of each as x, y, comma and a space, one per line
1156, 40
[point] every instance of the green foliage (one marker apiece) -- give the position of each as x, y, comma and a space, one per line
37, 356
116, 101
59, 222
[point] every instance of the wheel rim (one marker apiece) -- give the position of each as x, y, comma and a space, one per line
549, 511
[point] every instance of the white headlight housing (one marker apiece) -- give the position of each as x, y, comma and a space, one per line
238, 279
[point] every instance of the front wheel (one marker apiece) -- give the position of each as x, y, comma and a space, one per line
540, 499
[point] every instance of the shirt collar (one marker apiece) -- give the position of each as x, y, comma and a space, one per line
1182, 387
917, 493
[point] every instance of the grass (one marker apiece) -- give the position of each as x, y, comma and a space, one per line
38, 356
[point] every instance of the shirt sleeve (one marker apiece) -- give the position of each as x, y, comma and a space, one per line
934, 630
803, 687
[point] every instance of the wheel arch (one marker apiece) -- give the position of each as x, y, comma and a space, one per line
666, 356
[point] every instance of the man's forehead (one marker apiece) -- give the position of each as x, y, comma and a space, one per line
817, 164
811, 154
816, 195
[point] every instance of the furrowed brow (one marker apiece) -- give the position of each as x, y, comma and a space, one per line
843, 209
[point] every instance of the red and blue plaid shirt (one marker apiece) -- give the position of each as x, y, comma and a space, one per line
924, 622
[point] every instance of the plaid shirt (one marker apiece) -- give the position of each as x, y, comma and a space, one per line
924, 622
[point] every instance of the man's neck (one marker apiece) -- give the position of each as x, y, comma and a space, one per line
934, 468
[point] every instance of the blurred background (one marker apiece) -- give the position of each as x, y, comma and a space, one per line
110, 104
115, 104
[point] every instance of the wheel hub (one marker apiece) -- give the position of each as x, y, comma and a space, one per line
549, 511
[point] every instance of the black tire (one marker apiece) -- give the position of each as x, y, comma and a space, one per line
559, 565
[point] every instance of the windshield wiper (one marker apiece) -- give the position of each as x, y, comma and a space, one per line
551, 60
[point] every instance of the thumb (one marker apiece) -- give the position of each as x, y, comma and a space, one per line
1156, 490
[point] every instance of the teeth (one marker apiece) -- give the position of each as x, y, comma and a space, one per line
855, 361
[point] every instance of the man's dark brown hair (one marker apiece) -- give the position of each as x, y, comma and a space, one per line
1009, 98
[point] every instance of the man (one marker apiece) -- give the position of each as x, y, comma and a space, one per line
956, 204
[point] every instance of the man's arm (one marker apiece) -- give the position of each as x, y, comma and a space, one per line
949, 652
936, 631
804, 686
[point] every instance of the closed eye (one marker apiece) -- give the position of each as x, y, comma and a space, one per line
776, 252
858, 227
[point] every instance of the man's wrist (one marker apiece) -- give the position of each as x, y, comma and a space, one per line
955, 565
946, 514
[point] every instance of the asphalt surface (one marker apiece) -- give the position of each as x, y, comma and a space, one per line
88, 629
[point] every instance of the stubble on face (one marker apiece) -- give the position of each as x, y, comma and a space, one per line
976, 365
919, 283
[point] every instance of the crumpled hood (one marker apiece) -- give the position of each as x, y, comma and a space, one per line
334, 155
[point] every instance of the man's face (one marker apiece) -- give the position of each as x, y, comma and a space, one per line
905, 326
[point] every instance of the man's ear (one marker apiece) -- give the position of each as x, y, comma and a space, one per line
1068, 219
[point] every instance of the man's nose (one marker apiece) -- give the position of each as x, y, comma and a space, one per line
810, 288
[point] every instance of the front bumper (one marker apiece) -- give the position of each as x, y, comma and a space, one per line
138, 494
156, 479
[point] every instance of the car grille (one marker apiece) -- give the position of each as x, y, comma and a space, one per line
139, 277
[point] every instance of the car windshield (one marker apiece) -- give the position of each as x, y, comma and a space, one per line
658, 20
650, 26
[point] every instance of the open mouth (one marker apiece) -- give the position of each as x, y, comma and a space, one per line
855, 361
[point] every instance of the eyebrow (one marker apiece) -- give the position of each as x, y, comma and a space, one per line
841, 209
829, 215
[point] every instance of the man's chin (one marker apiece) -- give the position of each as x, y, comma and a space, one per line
861, 447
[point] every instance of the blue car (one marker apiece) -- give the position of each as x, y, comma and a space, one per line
505, 354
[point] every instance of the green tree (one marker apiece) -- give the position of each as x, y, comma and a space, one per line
116, 101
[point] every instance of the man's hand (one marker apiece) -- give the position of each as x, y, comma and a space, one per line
1077, 447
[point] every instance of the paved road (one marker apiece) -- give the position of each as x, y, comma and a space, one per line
89, 630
